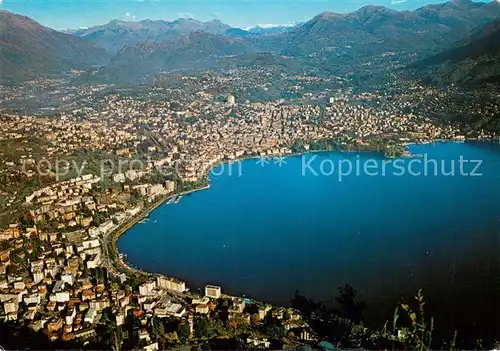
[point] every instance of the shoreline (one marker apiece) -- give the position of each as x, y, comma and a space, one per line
112, 238
117, 233
129, 224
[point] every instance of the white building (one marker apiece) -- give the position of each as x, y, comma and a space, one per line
170, 284
90, 316
19, 285
213, 291
120, 319
10, 306
119, 178
169, 186
70, 316
94, 261
146, 288
106, 227
62, 296
67, 278
151, 347
94, 232
90, 243
169, 309
134, 211
38, 276
32, 299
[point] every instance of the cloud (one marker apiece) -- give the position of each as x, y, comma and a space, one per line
129, 15
397, 2
185, 15
271, 25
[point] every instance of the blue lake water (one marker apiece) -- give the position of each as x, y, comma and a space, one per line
266, 230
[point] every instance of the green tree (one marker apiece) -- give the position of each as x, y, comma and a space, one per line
172, 338
287, 316
109, 333
202, 328
157, 329
115, 286
4, 245
351, 308
183, 333
418, 334
274, 331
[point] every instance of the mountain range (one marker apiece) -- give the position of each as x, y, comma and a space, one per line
194, 50
28, 49
330, 41
116, 34
473, 61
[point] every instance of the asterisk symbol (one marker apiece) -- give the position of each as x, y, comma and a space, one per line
280, 161
262, 161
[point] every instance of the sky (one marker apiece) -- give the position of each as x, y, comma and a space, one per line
65, 14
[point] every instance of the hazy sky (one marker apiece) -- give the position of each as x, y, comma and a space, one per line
62, 14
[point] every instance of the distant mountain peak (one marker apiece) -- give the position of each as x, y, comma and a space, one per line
116, 23
327, 15
13, 16
117, 33
32, 50
184, 19
371, 9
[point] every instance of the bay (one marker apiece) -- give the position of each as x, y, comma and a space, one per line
266, 228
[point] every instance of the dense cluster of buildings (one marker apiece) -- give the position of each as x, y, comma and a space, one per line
55, 225
61, 295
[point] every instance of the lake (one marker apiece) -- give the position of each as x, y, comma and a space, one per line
266, 228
